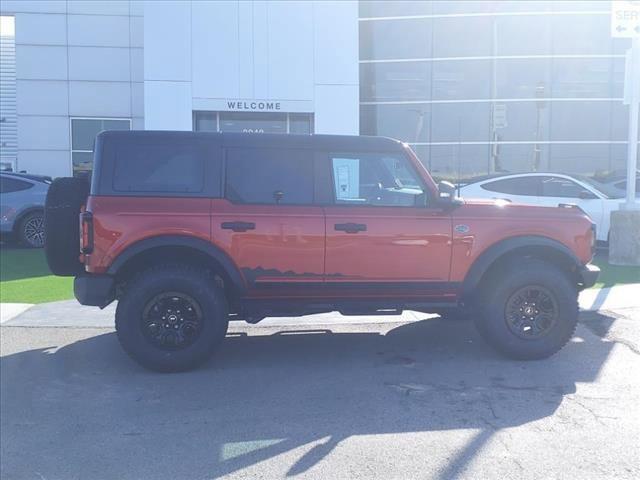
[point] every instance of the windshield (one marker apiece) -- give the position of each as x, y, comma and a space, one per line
608, 191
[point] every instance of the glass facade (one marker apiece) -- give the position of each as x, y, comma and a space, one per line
253, 122
478, 87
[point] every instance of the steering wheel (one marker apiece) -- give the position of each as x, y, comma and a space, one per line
376, 193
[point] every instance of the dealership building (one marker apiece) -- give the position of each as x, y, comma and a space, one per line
474, 87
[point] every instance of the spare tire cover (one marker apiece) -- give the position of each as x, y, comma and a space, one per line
62, 228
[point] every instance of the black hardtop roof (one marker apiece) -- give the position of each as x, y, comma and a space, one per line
267, 140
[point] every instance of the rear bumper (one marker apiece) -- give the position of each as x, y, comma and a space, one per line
588, 275
94, 290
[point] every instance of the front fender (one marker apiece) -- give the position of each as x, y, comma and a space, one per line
540, 245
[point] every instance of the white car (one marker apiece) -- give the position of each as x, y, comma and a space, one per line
552, 189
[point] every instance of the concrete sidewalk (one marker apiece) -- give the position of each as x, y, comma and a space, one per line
69, 313
9, 311
613, 298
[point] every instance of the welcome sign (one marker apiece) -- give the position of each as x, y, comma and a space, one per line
252, 105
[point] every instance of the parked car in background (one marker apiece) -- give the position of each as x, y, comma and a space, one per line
596, 199
621, 185
618, 180
22, 198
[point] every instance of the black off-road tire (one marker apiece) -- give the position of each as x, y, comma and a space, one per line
62, 225
140, 293
493, 325
30, 232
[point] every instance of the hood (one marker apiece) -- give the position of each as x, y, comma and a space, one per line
504, 208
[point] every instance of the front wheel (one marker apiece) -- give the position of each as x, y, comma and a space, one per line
171, 318
530, 311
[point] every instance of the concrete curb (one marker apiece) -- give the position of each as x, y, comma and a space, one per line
9, 311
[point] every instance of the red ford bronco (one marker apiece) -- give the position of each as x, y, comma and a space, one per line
189, 230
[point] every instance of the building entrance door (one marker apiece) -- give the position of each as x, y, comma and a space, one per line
254, 122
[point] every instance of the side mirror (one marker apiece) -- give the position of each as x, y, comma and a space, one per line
447, 195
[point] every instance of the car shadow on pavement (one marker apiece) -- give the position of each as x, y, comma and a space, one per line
86, 411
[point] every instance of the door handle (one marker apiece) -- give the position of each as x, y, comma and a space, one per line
238, 226
351, 227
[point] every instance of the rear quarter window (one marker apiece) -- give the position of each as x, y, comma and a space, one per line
185, 167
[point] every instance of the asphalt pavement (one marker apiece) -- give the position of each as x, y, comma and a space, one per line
324, 398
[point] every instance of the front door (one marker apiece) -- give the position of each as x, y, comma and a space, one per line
385, 236
267, 222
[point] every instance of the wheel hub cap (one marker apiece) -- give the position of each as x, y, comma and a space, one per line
531, 312
172, 321
34, 231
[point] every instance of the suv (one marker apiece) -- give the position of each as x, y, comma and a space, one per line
189, 230
22, 207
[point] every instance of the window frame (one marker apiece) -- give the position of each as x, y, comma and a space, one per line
102, 183
72, 150
314, 178
429, 204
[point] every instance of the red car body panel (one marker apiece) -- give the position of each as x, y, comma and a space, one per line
400, 245
120, 222
420, 248
286, 246
491, 222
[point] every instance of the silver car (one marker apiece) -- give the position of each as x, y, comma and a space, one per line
22, 199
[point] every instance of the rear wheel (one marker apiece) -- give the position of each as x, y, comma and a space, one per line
530, 310
171, 318
31, 230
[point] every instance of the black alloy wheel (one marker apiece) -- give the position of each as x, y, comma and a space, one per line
172, 320
531, 312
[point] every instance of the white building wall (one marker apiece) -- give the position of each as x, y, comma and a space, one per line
167, 65
156, 62
8, 114
73, 59
199, 55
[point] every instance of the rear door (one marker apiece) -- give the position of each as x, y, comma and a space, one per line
268, 223
385, 236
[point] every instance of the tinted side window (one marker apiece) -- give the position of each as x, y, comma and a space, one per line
371, 179
9, 185
515, 186
269, 176
174, 168
561, 187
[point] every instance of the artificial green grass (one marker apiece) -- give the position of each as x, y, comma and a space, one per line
25, 278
